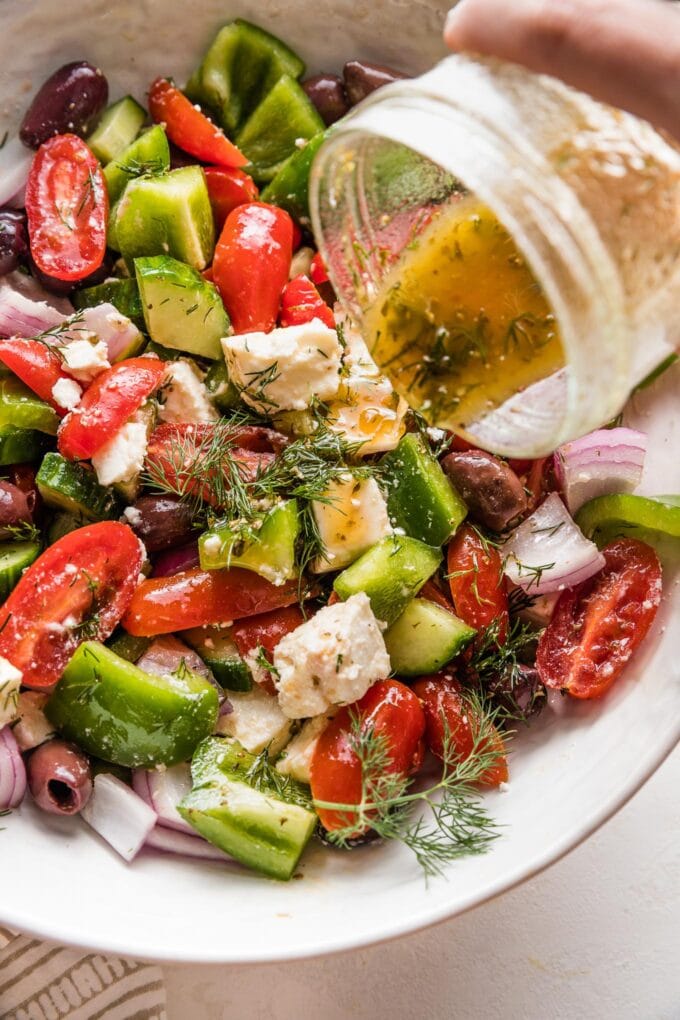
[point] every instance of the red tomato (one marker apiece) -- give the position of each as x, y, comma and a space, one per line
197, 598
445, 708
175, 448
392, 711
301, 302
107, 404
36, 365
433, 593
265, 631
190, 129
227, 190
317, 271
297, 236
475, 575
79, 588
597, 625
68, 206
251, 264
538, 481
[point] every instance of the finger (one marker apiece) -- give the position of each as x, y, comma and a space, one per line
623, 52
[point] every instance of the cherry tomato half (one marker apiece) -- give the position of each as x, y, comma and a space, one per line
197, 598
68, 207
36, 365
445, 710
79, 588
190, 129
597, 625
392, 711
107, 404
228, 188
251, 264
317, 270
265, 631
301, 302
475, 577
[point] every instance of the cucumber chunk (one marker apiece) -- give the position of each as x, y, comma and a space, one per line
425, 638
271, 133
271, 554
224, 394
262, 824
119, 713
390, 573
127, 646
150, 151
63, 523
420, 498
70, 486
14, 558
241, 66
122, 294
220, 654
181, 309
169, 215
118, 127
18, 446
20, 407
290, 187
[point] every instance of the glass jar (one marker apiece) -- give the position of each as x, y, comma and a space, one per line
589, 195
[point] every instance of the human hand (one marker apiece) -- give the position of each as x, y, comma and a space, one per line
622, 52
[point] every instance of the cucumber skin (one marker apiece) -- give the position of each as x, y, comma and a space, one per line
221, 657
14, 558
424, 638
19, 446
117, 129
118, 713
69, 486
391, 573
122, 294
420, 498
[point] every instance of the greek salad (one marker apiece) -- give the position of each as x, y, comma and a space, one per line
251, 599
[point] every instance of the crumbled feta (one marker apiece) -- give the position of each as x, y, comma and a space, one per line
351, 518
296, 758
85, 360
332, 659
285, 369
122, 458
10, 682
66, 393
185, 398
256, 721
133, 517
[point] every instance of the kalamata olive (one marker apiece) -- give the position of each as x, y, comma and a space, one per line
327, 92
491, 489
14, 508
13, 240
59, 778
71, 100
160, 521
518, 691
362, 78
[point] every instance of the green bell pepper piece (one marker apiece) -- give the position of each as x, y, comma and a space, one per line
290, 188
271, 554
18, 446
117, 712
20, 407
605, 516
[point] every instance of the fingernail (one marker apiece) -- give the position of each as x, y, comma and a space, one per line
451, 19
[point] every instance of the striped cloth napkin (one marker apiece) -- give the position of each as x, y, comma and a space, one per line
42, 981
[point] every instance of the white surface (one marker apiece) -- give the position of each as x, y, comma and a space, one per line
595, 936
569, 774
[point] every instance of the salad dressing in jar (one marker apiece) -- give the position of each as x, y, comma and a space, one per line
509, 248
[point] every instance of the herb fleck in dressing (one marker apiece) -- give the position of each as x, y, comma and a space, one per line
461, 324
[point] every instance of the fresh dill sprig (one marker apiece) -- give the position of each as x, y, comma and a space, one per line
499, 673
24, 531
262, 775
457, 825
154, 167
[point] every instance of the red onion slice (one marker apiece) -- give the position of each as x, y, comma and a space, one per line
21, 316
12, 771
163, 789
603, 462
172, 842
549, 552
115, 330
176, 561
119, 815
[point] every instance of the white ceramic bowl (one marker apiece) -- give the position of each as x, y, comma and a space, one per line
569, 773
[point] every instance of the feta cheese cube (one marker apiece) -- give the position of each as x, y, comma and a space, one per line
84, 360
285, 369
256, 721
10, 682
351, 519
332, 659
67, 393
32, 727
185, 398
122, 458
296, 758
